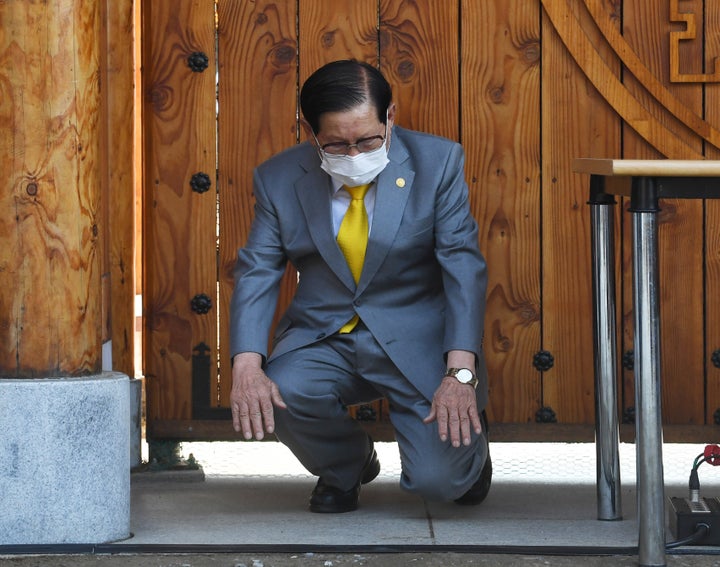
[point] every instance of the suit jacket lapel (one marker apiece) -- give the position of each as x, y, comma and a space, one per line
313, 193
393, 189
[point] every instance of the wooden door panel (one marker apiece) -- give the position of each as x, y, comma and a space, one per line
179, 223
526, 86
257, 80
501, 87
576, 121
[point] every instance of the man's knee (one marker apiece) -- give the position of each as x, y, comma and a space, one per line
437, 483
306, 398
449, 475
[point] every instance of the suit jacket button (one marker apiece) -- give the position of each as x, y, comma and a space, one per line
320, 336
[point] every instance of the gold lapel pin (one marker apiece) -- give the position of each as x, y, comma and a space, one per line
400, 182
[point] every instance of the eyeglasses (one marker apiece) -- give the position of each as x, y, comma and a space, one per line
362, 145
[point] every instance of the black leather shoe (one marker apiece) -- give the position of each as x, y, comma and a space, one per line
328, 499
479, 491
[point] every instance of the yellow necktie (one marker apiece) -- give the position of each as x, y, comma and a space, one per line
352, 238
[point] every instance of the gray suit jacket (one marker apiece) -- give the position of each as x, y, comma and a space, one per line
422, 288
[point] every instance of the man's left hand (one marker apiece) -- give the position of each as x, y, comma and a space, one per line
454, 406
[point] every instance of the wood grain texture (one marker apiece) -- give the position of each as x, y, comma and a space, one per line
337, 30
577, 39
649, 81
500, 87
649, 40
120, 180
419, 57
50, 307
139, 150
646, 28
180, 225
575, 122
257, 104
104, 202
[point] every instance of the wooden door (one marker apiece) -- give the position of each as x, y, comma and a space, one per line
526, 86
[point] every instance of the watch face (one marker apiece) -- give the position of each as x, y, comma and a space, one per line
464, 375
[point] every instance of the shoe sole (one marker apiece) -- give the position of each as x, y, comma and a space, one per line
331, 510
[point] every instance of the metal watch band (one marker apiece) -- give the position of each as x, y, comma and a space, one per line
455, 371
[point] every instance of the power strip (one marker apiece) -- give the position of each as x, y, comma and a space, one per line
685, 515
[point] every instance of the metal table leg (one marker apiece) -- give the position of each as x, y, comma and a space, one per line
650, 483
605, 336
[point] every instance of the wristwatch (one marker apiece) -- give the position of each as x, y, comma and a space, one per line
463, 375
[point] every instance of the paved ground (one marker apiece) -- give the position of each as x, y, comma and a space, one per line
351, 560
543, 496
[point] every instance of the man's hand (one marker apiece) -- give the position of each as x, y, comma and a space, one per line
454, 406
252, 397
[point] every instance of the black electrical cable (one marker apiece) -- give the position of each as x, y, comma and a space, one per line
700, 532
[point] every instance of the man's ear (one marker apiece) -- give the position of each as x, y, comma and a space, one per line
309, 134
391, 113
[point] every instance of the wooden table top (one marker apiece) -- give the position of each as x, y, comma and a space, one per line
648, 167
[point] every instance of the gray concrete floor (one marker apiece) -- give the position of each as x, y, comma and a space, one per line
446, 559
249, 508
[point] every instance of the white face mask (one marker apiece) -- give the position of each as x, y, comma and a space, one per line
355, 170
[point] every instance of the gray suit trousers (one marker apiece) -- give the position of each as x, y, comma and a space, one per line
319, 381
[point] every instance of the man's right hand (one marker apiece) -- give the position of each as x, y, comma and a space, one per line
252, 397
